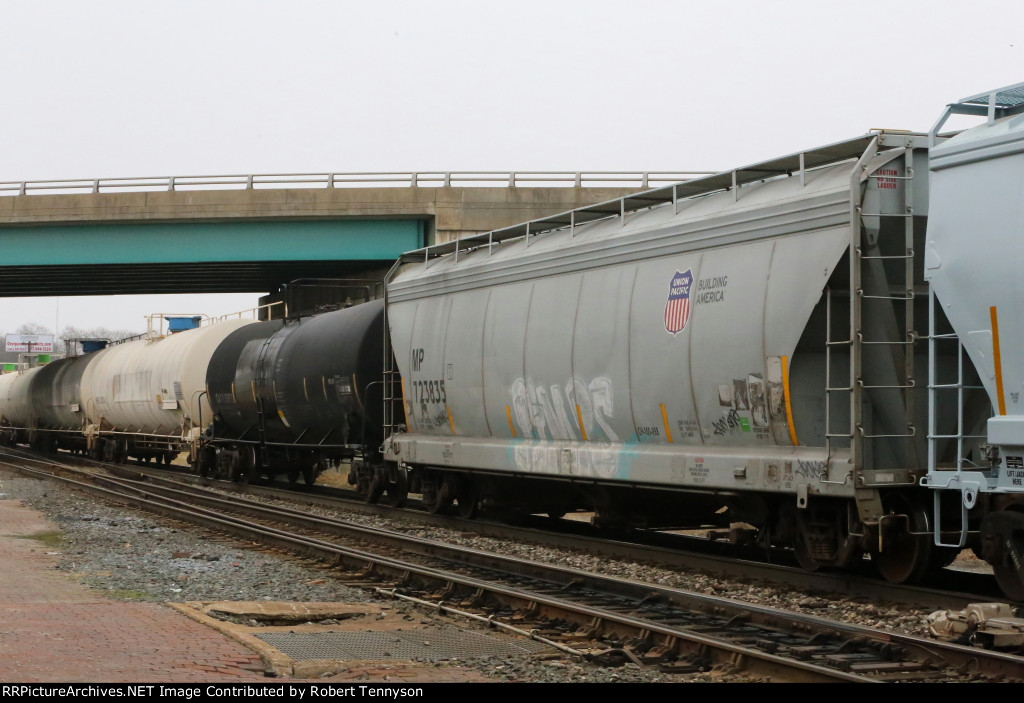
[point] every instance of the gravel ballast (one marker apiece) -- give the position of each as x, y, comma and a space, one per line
132, 555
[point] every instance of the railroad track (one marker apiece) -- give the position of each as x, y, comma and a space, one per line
674, 551
604, 619
687, 554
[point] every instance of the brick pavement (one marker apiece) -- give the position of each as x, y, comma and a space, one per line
53, 630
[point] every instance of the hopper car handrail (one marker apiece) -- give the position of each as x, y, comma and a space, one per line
992, 104
794, 164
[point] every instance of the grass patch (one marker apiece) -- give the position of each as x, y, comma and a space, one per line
50, 539
127, 594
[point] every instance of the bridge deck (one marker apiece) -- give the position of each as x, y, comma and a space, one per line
250, 240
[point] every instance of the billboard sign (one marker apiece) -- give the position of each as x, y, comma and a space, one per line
39, 343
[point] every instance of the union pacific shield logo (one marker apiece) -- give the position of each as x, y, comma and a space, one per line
677, 307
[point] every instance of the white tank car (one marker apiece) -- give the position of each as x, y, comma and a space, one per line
152, 387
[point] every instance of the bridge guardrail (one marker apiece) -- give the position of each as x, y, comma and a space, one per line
357, 179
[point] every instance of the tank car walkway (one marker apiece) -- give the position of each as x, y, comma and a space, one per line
53, 630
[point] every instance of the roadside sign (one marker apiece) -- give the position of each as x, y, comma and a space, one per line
41, 343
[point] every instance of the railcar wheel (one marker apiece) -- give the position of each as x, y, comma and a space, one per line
374, 488
369, 483
802, 552
468, 499
436, 496
227, 463
244, 465
206, 462
250, 465
791, 522
48, 443
395, 483
1002, 546
908, 551
309, 473
1009, 582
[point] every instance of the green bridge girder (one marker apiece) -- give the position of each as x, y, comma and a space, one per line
197, 257
190, 242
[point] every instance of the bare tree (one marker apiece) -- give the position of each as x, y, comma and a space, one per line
33, 328
72, 332
77, 334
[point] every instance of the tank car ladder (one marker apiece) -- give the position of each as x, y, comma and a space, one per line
259, 382
868, 261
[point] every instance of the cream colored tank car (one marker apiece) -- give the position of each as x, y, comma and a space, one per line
154, 386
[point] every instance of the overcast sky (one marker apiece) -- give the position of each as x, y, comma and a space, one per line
124, 89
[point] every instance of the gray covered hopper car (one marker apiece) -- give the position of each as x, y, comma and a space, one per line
756, 348
682, 351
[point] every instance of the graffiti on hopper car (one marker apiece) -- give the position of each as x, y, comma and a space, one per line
577, 410
810, 469
564, 411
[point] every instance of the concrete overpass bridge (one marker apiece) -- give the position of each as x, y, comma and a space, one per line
253, 233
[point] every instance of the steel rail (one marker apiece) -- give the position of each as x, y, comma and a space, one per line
755, 656
691, 554
1004, 665
377, 567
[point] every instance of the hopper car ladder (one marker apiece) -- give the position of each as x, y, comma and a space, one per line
966, 481
992, 105
392, 392
867, 261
